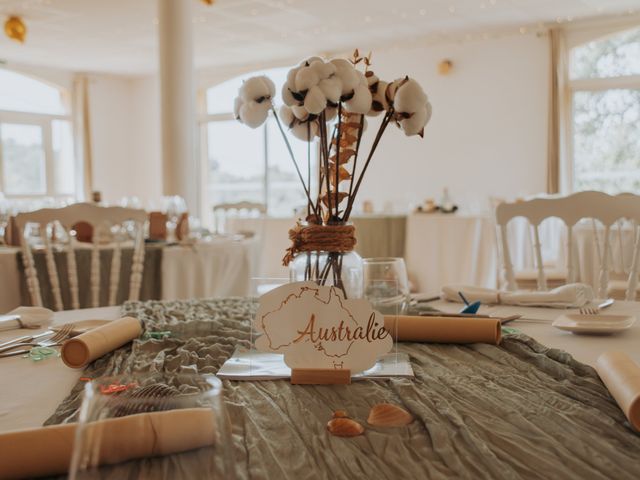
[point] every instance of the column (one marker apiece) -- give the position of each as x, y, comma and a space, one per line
177, 101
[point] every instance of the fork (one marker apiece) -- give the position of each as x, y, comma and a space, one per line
595, 310
54, 340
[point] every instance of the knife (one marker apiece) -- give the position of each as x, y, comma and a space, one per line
26, 338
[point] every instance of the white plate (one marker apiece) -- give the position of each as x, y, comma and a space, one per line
594, 324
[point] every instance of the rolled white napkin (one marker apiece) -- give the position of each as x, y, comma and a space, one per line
573, 295
29, 317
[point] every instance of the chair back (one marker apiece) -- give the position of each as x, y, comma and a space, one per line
238, 209
102, 220
607, 209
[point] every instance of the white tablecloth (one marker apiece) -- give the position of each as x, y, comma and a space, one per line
9, 279
446, 249
31, 391
584, 348
221, 268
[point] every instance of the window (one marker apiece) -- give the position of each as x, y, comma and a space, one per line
249, 165
604, 81
36, 142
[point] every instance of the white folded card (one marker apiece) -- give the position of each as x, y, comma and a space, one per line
253, 365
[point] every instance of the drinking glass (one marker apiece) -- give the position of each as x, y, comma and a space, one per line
386, 284
153, 426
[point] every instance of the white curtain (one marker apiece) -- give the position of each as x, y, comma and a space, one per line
82, 136
557, 99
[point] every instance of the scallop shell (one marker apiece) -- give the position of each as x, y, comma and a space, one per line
344, 427
340, 414
388, 415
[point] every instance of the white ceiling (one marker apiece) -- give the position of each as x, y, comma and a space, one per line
120, 36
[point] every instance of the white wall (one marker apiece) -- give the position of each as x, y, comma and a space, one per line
125, 137
488, 133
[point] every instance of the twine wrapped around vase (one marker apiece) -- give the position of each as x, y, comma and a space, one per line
320, 238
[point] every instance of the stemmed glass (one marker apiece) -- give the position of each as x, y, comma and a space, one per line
153, 426
386, 284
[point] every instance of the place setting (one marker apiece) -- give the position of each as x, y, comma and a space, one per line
283, 239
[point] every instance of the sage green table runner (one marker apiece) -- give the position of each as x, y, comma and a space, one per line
519, 410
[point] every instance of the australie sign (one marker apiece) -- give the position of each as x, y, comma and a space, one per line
316, 327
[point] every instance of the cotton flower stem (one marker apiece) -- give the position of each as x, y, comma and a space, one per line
309, 205
337, 162
293, 159
325, 150
383, 126
355, 160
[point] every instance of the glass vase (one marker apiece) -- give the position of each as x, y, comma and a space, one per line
343, 270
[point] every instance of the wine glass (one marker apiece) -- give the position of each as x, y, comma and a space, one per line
386, 284
153, 426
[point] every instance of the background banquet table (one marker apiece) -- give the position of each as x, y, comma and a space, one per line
377, 235
477, 406
446, 249
216, 268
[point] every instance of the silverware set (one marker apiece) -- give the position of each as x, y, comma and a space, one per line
50, 338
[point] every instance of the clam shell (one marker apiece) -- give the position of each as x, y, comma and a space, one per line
389, 415
344, 427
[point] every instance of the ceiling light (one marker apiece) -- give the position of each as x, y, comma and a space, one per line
15, 29
423, 12
452, 9
367, 19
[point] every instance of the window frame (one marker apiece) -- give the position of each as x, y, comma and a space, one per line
595, 84
45, 122
204, 118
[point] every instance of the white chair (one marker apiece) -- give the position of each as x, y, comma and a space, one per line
606, 209
238, 209
101, 219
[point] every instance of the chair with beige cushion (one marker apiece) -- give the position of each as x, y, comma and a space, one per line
607, 209
104, 221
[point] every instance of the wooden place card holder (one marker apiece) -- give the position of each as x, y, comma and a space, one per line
320, 376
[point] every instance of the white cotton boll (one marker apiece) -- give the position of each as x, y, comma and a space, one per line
410, 97
300, 112
391, 90
379, 101
291, 76
415, 124
305, 131
257, 87
347, 74
254, 114
429, 112
237, 103
286, 116
287, 97
306, 78
361, 100
331, 88
372, 78
315, 101
310, 60
323, 69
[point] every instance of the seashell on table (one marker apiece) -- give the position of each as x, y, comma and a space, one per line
344, 427
389, 415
